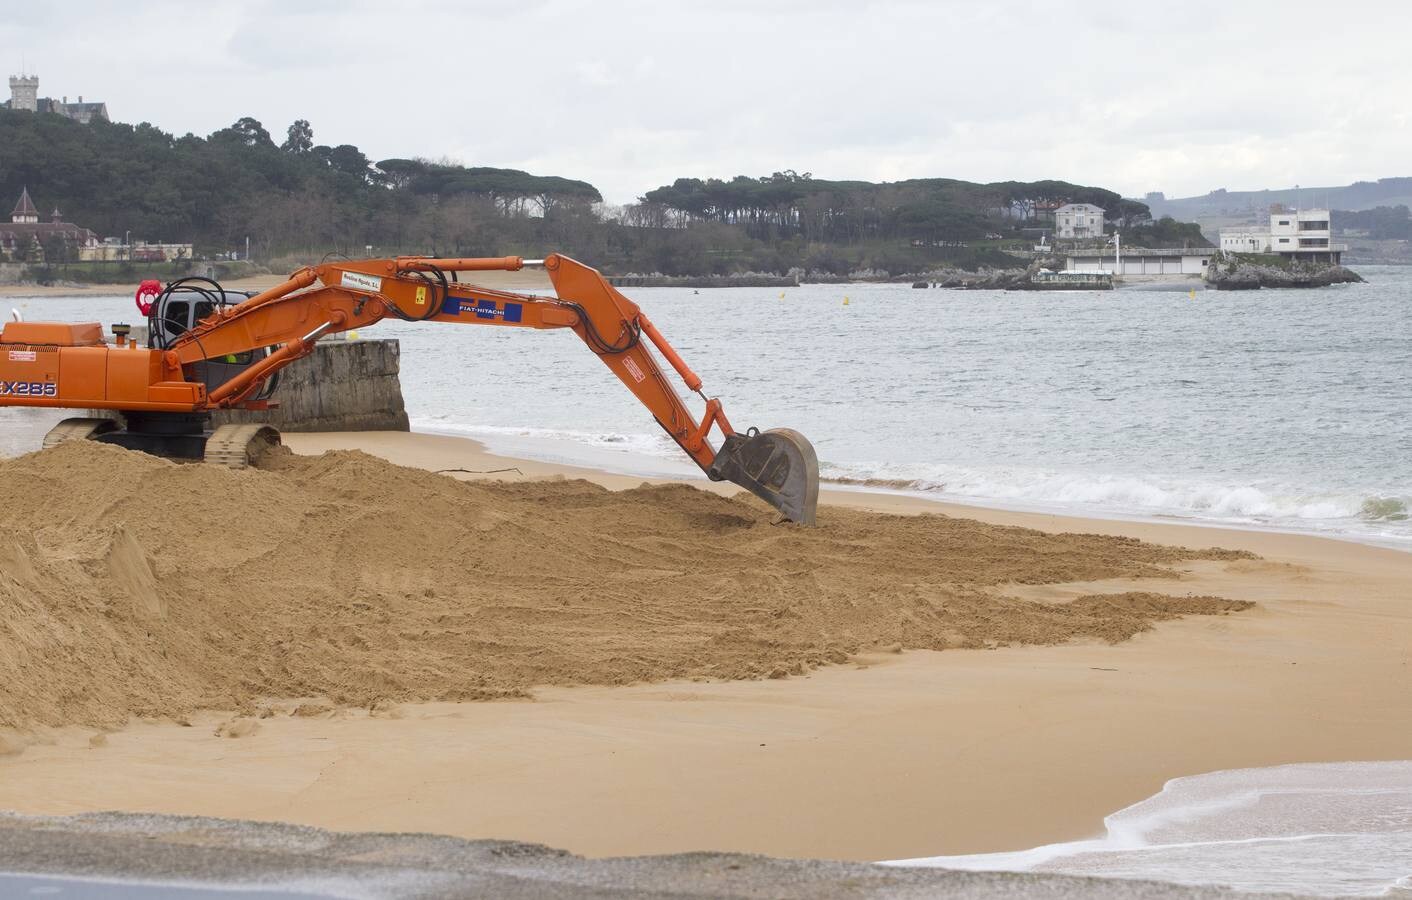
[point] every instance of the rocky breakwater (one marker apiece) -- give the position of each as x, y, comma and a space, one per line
981, 280
986, 279
1247, 275
739, 279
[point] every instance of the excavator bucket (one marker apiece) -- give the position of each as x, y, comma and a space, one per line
778, 466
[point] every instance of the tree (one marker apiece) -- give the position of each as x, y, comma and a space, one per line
56, 249
246, 131
1165, 232
399, 172
300, 137
345, 158
1129, 214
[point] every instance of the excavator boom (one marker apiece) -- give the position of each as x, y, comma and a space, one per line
228, 357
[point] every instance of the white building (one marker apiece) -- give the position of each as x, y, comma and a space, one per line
1302, 235
1139, 265
1078, 220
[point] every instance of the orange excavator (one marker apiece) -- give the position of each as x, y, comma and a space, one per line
209, 350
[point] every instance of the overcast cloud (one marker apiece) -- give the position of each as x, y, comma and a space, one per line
1178, 97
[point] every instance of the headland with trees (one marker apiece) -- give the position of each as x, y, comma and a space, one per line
295, 199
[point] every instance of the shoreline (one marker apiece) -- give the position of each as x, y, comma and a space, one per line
631, 464
886, 756
27, 291
534, 279
525, 279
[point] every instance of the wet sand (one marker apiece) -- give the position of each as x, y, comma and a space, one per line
886, 756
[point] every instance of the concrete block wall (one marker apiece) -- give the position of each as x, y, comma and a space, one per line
341, 386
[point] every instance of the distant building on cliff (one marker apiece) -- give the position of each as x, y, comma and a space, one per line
24, 95
26, 239
1302, 235
1078, 220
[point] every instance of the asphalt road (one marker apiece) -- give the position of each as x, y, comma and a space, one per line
52, 888
142, 857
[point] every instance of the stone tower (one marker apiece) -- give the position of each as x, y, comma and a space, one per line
24, 92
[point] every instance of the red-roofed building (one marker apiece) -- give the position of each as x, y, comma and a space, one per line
25, 237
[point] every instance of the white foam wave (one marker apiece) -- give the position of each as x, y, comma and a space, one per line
645, 444
1141, 495
1370, 514
1327, 828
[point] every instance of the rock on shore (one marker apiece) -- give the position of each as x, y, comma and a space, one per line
1242, 275
983, 280
739, 279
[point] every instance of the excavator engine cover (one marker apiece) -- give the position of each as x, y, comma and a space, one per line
779, 466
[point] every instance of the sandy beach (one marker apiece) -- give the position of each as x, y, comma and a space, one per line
883, 753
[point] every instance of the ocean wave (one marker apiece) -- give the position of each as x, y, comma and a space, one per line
1384, 509
1244, 503
1335, 829
1370, 514
656, 445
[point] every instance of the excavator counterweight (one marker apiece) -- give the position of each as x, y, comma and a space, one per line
209, 350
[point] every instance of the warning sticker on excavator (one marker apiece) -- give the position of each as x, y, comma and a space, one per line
633, 369
421, 296
361, 282
23, 356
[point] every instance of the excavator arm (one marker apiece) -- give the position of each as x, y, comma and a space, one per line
779, 465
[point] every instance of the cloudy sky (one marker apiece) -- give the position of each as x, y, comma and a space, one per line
1179, 97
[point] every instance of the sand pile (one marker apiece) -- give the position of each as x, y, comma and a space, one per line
134, 586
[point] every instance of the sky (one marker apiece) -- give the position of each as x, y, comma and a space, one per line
1135, 97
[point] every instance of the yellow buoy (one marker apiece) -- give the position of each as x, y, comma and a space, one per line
1193, 293
845, 301
781, 295
352, 335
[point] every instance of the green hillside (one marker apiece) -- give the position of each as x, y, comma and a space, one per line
296, 199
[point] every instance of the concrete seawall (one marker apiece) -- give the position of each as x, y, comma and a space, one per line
341, 386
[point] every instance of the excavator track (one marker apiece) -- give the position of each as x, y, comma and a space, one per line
79, 429
237, 446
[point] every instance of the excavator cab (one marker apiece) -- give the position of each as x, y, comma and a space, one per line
179, 308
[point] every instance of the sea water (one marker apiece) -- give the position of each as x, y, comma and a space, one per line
1332, 829
1285, 409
